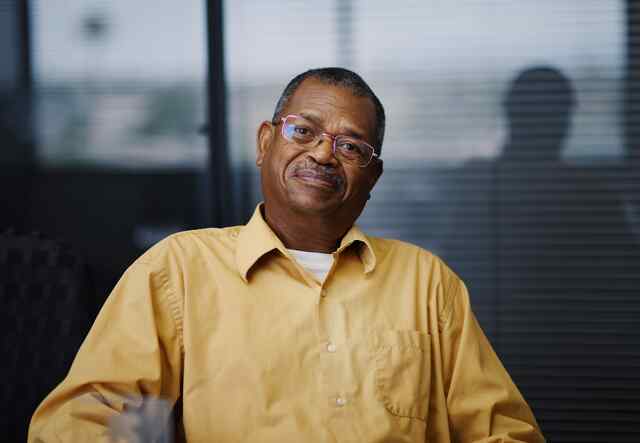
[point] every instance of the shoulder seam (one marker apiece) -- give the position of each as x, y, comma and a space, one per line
175, 312
216, 232
174, 308
450, 294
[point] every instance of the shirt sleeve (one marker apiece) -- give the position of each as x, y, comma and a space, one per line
483, 403
132, 351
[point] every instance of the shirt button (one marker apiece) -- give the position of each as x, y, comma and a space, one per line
331, 347
341, 401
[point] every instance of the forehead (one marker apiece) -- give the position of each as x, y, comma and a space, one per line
336, 107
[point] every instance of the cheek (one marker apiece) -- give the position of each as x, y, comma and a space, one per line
358, 185
270, 171
281, 164
289, 159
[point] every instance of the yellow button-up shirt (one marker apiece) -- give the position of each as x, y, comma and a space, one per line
256, 350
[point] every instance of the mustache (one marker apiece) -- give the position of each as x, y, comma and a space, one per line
323, 172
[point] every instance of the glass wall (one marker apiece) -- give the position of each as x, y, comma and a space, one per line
117, 91
504, 154
119, 106
442, 70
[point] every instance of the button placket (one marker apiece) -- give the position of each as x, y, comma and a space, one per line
334, 361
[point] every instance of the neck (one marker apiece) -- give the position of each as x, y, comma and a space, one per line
315, 233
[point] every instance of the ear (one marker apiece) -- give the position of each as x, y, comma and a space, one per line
264, 139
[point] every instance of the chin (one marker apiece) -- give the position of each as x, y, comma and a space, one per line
314, 204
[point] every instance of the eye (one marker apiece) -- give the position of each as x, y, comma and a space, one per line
299, 132
349, 147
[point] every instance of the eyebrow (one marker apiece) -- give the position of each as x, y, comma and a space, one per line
347, 131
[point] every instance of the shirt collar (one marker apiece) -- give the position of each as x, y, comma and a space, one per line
257, 239
366, 251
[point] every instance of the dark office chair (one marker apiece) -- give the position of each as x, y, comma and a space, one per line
45, 295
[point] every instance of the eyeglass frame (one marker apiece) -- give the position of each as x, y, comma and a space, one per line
374, 155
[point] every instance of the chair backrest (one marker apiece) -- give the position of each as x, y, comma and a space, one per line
45, 293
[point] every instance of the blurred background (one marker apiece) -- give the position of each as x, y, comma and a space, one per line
511, 151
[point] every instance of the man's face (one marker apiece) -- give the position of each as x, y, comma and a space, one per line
313, 181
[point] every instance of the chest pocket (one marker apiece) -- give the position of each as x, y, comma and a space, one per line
403, 372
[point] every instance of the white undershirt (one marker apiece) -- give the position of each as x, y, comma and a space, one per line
317, 263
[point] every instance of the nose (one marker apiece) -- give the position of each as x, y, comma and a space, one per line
323, 152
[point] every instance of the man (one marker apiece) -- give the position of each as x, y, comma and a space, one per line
298, 326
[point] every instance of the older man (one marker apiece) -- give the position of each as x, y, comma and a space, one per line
296, 327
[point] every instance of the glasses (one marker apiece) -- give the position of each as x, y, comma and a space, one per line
308, 135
